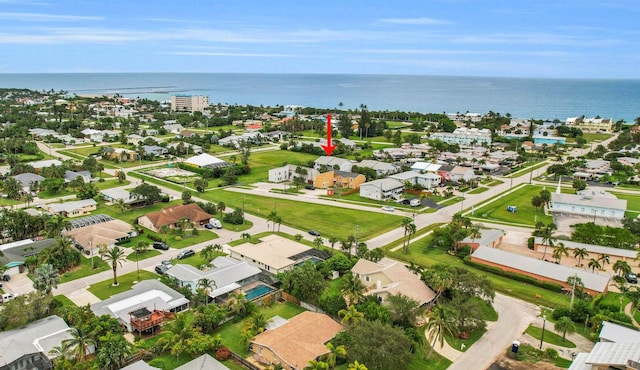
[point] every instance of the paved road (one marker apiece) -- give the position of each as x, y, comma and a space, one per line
514, 316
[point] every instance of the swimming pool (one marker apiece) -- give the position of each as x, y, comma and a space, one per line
257, 291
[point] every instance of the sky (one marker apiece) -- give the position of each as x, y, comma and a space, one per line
510, 38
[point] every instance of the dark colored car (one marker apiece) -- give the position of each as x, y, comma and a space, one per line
314, 232
6, 277
160, 245
208, 226
631, 278
310, 187
185, 254
161, 269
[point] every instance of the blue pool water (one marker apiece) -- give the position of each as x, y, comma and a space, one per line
258, 291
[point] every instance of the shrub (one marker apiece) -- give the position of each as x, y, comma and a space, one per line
223, 354
155, 238
531, 242
560, 312
177, 238
551, 353
554, 287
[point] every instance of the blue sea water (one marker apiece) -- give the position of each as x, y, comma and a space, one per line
522, 97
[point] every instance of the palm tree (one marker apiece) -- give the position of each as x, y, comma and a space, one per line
546, 233
559, 251
245, 236
410, 230
206, 285
237, 304
580, 254
208, 252
441, 323
45, 278
335, 352
221, 207
316, 365
78, 345
350, 316
55, 225
621, 267
565, 325
272, 217
333, 240
318, 242
352, 289
115, 256
604, 258
356, 366
113, 352
179, 335
405, 226
594, 264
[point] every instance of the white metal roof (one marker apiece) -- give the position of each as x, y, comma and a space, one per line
203, 159
611, 332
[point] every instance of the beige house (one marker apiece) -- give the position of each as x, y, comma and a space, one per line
108, 233
296, 342
72, 209
389, 277
274, 254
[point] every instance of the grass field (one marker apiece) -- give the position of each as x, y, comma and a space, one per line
330, 221
549, 337
84, 269
633, 200
478, 190
521, 198
133, 256
104, 289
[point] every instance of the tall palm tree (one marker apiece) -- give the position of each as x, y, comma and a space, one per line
179, 335
78, 345
333, 240
580, 254
410, 229
559, 251
207, 252
546, 233
594, 264
273, 218
237, 303
565, 325
46, 278
55, 225
604, 258
350, 316
351, 289
115, 256
441, 322
621, 267
206, 285
335, 353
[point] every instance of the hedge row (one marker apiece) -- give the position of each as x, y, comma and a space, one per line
554, 287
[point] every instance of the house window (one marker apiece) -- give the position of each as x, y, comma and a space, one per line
582, 209
367, 278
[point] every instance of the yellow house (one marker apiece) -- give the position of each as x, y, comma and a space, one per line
341, 179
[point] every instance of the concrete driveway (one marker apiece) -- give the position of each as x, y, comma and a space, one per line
19, 284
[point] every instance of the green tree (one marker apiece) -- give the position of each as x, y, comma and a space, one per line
221, 207
45, 278
356, 366
351, 289
580, 254
186, 197
55, 225
604, 258
345, 126
78, 345
316, 365
201, 184
12, 188
381, 346
441, 322
149, 193
594, 264
304, 282
621, 267
335, 353
182, 336
238, 304
206, 285
115, 256
559, 251
404, 310
113, 351
565, 325
350, 316
122, 176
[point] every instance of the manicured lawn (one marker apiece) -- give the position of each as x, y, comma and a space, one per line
420, 362
63, 300
113, 183
526, 214
478, 190
61, 193
633, 200
104, 289
549, 337
262, 162
526, 168
84, 269
231, 331
457, 343
329, 221
237, 228
495, 182
133, 256
203, 236
425, 256
451, 201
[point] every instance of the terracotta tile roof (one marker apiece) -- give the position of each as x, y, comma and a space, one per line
172, 215
300, 340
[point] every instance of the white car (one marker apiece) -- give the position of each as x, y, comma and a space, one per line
388, 208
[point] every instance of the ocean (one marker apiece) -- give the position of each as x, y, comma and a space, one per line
521, 97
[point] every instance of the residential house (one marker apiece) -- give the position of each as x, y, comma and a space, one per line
289, 172
340, 179
98, 136
26, 180
133, 308
277, 135
382, 189
296, 342
134, 139
15, 253
424, 167
72, 209
72, 175
188, 147
426, 180
235, 141
488, 237
381, 168
121, 154
173, 128
598, 167
456, 173
29, 347
114, 195
628, 161
275, 254
91, 232
618, 348
154, 150
330, 163
388, 277
204, 362
171, 216
39, 165
539, 269
139, 365
205, 160
346, 142
227, 274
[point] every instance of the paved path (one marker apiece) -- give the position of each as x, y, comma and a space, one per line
514, 316
582, 344
627, 309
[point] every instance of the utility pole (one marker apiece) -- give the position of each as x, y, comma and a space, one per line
573, 291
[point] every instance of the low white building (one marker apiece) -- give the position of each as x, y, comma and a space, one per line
589, 204
332, 162
382, 189
381, 168
426, 180
205, 160
289, 172
465, 136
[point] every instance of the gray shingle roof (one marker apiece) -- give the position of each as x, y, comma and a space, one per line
204, 362
487, 236
139, 365
35, 337
542, 268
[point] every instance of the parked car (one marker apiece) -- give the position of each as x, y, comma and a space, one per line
415, 202
215, 223
631, 277
6, 277
310, 187
208, 226
9, 296
388, 208
167, 263
314, 232
161, 269
160, 245
185, 254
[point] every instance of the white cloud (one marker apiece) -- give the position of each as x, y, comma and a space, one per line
413, 21
41, 17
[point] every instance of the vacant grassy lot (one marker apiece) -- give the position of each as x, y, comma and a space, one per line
104, 289
84, 269
549, 336
262, 162
329, 221
133, 256
521, 198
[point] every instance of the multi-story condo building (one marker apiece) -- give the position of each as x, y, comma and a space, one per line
464, 136
189, 103
591, 124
